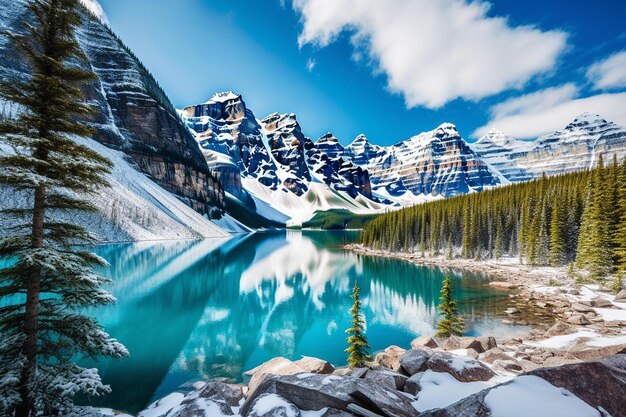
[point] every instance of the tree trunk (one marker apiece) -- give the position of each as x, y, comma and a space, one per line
26, 406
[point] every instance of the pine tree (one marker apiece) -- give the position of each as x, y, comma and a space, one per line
49, 279
358, 347
451, 324
593, 241
498, 241
558, 243
620, 232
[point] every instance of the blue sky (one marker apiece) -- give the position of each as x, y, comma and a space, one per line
389, 68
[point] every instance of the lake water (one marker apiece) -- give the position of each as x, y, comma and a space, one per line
193, 310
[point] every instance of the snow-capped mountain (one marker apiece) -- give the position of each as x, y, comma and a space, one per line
281, 173
438, 163
576, 147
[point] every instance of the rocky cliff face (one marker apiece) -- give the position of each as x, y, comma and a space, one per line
576, 147
136, 116
438, 162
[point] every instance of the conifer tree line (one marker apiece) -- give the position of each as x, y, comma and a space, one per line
577, 218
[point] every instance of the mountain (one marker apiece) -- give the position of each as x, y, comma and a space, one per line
135, 117
576, 147
438, 163
270, 166
499, 152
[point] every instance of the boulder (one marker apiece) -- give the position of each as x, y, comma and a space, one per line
414, 385
559, 328
578, 319
351, 372
621, 296
584, 352
456, 342
275, 366
599, 383
487, 342
414, 361
314, 392
387, 360
272, 405
502, 285
398, 379
315, 365
601, 303
493, 355
333, 412
581, 308
200, 407
381, 379
424, 341
219, 391
508, 365
462, 368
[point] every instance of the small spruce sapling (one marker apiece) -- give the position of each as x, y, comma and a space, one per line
358, 349
451, 324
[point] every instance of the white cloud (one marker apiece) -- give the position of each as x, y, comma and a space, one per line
434, 51
546, 111
609, 73
94, 7
310, 64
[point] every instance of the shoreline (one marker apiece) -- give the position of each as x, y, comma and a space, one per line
573, 321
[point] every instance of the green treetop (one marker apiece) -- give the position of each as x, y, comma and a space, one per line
357, 342
451, 324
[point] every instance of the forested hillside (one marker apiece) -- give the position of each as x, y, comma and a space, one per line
578, 217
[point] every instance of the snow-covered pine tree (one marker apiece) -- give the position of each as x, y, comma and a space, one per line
451, 324
48, 279
358, 347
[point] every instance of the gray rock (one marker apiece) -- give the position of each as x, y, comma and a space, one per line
581, 308
272, 405
414, 360
398, 379
424, 341
621, 296
578, 319
315, 365
333, 412
462, 368
275, 366
456, 342
493, 355
601, 303
214, 390
559, 328
381, 379
414, 384
351, 372
599, 383
200, 407
508, 365
472, 406
314, 392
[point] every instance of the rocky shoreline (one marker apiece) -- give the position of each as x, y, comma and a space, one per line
455, 377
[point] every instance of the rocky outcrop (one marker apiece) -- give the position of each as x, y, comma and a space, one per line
135, 115
500, 151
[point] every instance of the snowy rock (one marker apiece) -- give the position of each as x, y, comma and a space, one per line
161, 407
214, 390
559, 328
424, 341
462, 368
272, 405
493, 355
414, 361
599, 383
508, 365
315, 365
581, 308
413, 385
583, 351
621, 296
381, 379
200, 407
502, 285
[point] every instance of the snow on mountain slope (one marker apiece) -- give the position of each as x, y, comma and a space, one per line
574, 148
499, 151
438, 162
134, 208
278, 167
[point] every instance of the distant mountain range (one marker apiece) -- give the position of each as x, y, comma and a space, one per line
272, 167
219, 158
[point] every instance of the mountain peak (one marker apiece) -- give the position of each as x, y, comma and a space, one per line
587, 119
327, 138
223, 96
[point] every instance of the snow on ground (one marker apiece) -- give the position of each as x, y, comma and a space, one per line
440, 389
162, 406
135, 208
567, 340
532, 396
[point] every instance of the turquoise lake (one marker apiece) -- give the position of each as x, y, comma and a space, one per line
193, 310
